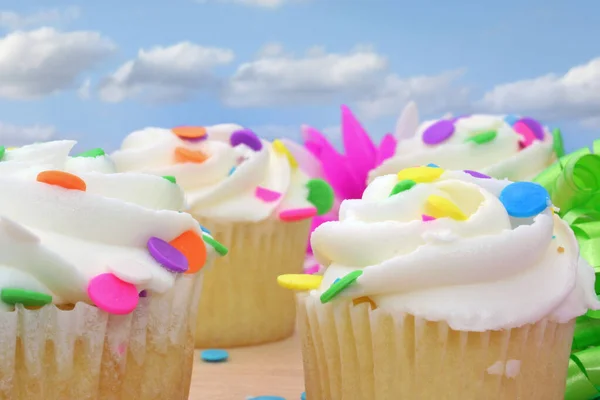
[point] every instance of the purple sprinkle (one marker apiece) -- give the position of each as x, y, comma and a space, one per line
247, 137
439, 132
476, 174
143, 293
167, 256
535, 127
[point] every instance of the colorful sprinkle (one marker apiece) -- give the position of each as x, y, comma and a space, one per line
482, 138
297, 214
170, 178
246, 137
214, 355
92, 153
427, 218
219, 248
143, 293
337, 287
553, 236
167, 255
2, 152
476, 174
190, 132
130, 271
266, 195
403, 185
524, 199
303, 396
438, 132
320, 195
112, 295
432, 165
27, 298
231, 171
203, 229
534, 126
560, 249
365, 299
62, 179
557, 143
299, 281
184, 155
420, 174
193, 249
440, 207
281, 148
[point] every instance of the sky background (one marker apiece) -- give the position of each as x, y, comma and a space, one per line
96, 70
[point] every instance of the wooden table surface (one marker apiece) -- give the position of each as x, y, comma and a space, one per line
273, 369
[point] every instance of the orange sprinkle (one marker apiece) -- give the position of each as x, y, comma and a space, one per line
364, 299
62, 179
193, 248
183, 155
189, 132
561, 249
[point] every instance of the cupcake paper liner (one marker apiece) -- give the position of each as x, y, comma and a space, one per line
355, 353
85, 353
241, 302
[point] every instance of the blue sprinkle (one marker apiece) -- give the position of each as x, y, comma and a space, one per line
204, 230
214, 355
232, 170
432, 165
553, 236
524, 199
303, 396
336, 280
267, 398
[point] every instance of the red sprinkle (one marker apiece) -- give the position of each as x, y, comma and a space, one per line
267, 195
297, 214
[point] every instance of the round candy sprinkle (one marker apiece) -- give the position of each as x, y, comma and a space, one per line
476, 174
167, 255
112, 295
427, 218
190, 132
214, 355
320, 195
299, 281
432, 165
183, 155
92, 153
557, 143
438, 132
62, 179
246, 137
219, 248
297, 214
281, 148
420, 174
403, 185
203, 229
482, 138
170, 178
440, 207
2, 152
303, 396
266, 195
130, 271
524, 199
193, 248
560, 249
231, 171
337, 287
27, 298
528, 137
536, 128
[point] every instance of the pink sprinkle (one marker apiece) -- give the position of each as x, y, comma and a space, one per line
122, 348
112, 295
312, 270
427, 218
267, 195
528, 137
297, 214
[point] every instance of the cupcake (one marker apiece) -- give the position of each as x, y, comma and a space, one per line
254, 199
517, 148
442, 284
99, 284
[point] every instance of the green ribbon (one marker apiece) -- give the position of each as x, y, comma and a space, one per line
574, 186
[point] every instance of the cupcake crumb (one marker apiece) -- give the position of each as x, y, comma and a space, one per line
510, 370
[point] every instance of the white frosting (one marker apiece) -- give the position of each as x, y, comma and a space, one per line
211, 190
485, 273
500, 158
54, 240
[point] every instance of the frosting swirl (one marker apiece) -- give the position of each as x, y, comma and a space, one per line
476, 267
500, 146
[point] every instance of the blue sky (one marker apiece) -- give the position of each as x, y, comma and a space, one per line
274, 66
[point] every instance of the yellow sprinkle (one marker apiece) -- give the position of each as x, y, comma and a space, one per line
11, 148
420, 174
560, 249
440, 207
364, 299
299, 281
280, 147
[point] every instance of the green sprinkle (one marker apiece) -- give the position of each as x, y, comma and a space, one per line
219, 248
402, 186
483, 137
320, 195
93, 153
26, 297
170, 178
557, 143
2, 152
340, 285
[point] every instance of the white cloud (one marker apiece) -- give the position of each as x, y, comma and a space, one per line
84, 91
277, 78
574, 95
13, 21
45, 61
254, 3
15, 135
272, 132
165, 74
